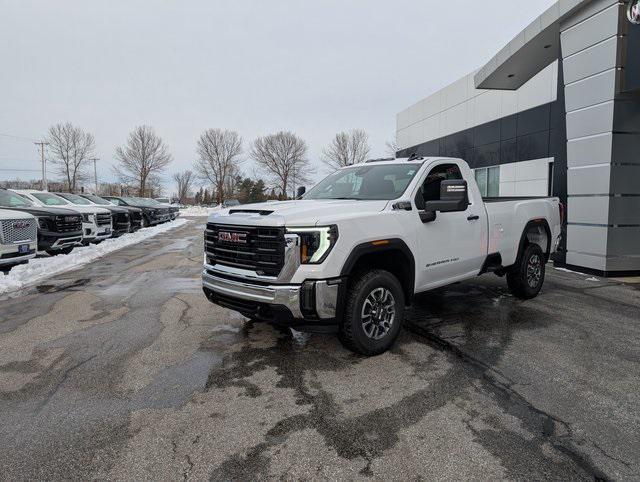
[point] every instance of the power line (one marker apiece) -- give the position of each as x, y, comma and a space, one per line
20, 170
18, 137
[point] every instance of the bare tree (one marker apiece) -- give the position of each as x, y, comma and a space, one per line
392, 148
144, 155
282, 157
184, 181
219, 155
70, 149
346, 149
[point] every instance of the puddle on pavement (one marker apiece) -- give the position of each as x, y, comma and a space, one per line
62, 285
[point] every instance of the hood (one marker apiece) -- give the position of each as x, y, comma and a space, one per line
86, 209
296, 213
113, 209
45, 211
7, 214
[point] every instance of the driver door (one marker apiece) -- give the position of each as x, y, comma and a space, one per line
451, 247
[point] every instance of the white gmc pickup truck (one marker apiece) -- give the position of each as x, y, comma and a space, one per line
350, 255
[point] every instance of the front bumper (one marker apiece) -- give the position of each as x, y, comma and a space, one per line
9, 253
311, 301
53, 240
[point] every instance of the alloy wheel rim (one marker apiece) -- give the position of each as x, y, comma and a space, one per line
378, 313
534, 271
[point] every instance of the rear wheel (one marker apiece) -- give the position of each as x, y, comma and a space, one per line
525, 280
374, 313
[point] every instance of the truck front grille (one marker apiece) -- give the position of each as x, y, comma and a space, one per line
121, 221
253, 248
68, 224
14, 230
103, 219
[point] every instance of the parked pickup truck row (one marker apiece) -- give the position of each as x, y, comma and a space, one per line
351, 254
55, 223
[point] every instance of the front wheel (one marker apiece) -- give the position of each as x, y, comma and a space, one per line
526, 278
374, 313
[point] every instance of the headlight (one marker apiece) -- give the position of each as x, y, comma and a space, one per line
87, 218
315, 243
42, 223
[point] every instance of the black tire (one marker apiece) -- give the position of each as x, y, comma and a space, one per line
145, 222
526, 278
55, 252
377, 335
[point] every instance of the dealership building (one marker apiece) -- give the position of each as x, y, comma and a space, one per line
555, 112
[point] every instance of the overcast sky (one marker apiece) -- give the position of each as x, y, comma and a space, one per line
255, 66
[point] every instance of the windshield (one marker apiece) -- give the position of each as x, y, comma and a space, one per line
366, 183
164, 200
75, 199
97, 199
134, 201
147, 201
49, 199
12, 200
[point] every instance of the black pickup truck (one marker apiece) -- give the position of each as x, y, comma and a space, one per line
59, 229
151, 214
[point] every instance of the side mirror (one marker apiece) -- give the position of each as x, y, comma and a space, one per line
454, 197
301, 191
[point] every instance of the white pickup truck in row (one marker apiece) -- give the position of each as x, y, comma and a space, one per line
350, 255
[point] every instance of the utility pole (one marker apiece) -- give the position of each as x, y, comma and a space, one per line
45, 186
95, 172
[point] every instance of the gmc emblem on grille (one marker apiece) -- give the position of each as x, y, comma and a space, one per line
70, 219
232, 237
21, 225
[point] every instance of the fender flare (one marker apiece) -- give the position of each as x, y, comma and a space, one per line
394, 244
534, 223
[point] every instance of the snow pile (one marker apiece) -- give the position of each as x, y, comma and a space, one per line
41, 268
198, 211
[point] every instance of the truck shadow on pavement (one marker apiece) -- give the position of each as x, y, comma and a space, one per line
453, 372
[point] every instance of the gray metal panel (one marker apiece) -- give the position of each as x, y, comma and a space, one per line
587, 10
589, 150
592, 31
588, 239
589, 210
592, 90
587, 260
623, 241
590, 121
624, 210
625, 179
589, 180
600, 57
625, 148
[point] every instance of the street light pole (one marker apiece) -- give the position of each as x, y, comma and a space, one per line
95, 172
45, 186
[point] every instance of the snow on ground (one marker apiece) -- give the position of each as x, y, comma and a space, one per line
41, 268
198, 211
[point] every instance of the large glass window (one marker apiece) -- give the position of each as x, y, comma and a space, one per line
488, 180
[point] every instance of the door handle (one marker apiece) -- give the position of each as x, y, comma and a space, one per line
473, 218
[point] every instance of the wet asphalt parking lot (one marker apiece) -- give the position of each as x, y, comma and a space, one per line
123, 370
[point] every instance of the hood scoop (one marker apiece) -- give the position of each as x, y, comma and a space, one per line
261, 212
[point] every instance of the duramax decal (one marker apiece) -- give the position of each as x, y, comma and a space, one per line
444, 261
